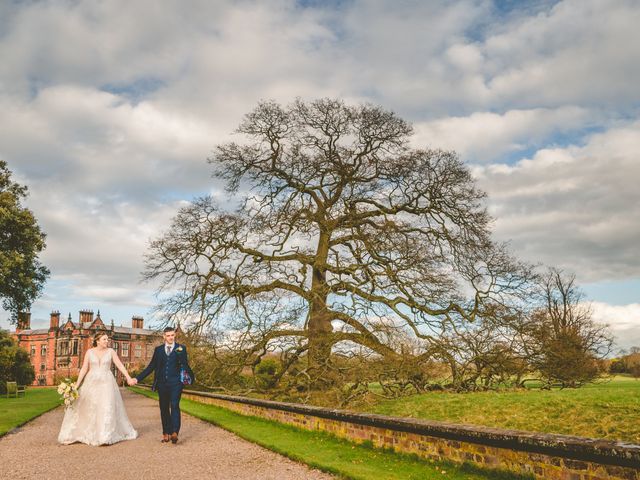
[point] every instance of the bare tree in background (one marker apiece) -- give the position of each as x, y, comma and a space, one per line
566, 346
344, 223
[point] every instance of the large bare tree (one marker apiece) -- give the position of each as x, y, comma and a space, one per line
342, 222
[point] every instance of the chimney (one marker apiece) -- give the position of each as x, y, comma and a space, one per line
137, 322
55, 320
86, 316
24, 321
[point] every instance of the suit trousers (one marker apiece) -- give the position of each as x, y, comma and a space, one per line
169, 396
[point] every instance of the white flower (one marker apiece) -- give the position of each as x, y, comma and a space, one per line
69, 392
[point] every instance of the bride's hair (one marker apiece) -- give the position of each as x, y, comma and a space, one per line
97, 336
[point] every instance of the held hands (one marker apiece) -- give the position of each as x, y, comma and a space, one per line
132, 381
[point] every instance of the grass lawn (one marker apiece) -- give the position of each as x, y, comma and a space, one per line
329, 453
605, 410
17, 411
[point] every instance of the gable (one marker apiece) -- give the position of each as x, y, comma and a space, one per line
69, 325
97, 323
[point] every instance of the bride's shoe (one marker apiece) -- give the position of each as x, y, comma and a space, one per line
165, 437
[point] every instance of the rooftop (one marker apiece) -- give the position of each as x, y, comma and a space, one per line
86, 325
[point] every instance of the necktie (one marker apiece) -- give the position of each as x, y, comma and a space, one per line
168, 349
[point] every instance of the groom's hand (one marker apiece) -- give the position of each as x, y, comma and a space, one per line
132, 381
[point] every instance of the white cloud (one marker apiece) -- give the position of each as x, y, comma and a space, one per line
101, 295
98, 240
483, 136
619, 317
575, 207
623, 320
97, 140
579, 51
422, 58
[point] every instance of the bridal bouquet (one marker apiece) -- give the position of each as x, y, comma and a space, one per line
69, 392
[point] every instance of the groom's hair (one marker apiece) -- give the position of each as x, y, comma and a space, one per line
169, 329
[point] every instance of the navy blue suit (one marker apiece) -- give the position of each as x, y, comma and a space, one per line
167, 383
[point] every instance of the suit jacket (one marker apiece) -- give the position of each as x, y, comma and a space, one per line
167, 368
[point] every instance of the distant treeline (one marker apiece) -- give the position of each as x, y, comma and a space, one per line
629, 363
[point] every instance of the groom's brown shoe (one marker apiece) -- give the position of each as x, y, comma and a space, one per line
165, 437
174, 437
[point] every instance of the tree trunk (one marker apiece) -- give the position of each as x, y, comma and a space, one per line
319, 326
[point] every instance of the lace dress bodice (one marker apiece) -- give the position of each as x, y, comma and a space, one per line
99, 365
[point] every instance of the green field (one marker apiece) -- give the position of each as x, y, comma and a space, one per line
17, 411
608, 410
329, 453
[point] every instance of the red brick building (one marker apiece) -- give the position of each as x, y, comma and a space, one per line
57, 352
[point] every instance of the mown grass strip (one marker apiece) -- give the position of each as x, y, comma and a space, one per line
608, 410
329, 453
15, 412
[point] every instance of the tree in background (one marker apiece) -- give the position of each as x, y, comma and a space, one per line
566, 346
15, 365
342, 223
22, 276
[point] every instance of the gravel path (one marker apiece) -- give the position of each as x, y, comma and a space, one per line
203, 452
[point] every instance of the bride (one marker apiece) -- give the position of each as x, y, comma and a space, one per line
98, 416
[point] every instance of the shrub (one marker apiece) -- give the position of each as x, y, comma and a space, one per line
15, 365
266, 373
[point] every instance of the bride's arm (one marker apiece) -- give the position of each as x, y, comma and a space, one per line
83, 370
119, 365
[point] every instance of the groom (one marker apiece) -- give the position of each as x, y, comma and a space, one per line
166, 362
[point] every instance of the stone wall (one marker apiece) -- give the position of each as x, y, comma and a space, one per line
548, 457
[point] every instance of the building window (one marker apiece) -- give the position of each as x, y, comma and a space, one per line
63, 362
63, 347
74, 347
125, 349
116, 346
42, 367
43, 350
33, 350
137, 350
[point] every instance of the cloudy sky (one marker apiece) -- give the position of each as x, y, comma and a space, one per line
109, 110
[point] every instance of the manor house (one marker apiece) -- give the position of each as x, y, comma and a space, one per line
57, 352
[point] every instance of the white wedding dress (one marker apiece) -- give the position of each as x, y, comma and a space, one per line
98, 416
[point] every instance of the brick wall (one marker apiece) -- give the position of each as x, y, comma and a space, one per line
548, 457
